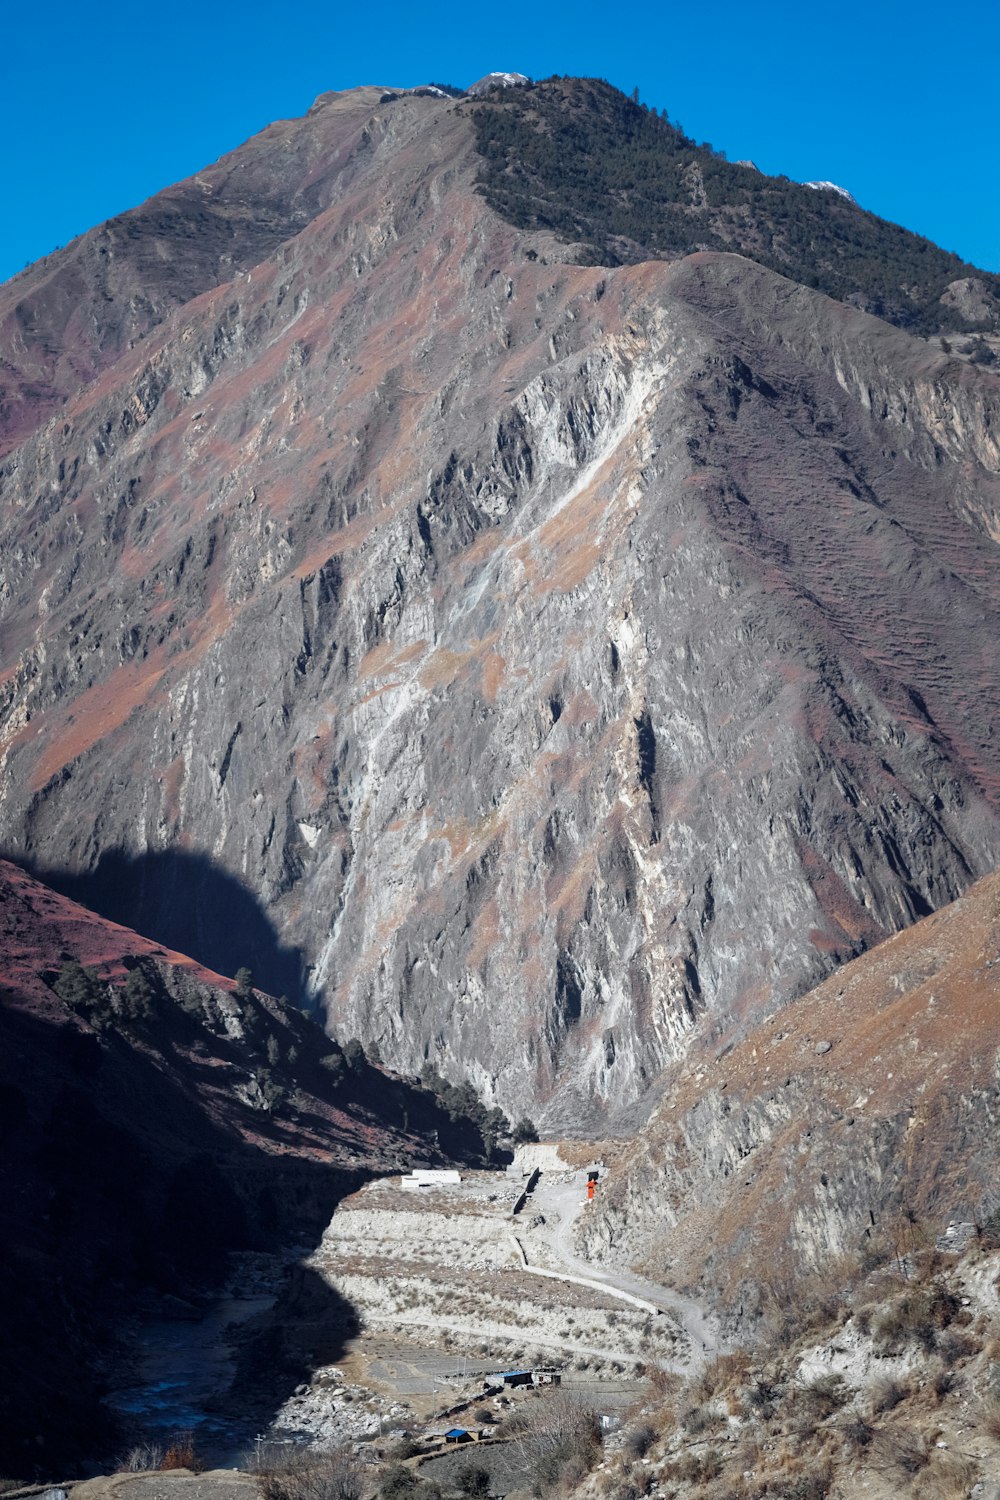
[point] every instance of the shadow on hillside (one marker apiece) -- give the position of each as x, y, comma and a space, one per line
187, 902
120, 1200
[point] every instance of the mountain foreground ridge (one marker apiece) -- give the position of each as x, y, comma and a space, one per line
866, 1106
540, 665
826, 1186
157, 1117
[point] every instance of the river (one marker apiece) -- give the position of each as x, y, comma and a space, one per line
183, 1369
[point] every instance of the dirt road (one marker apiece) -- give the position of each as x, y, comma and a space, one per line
559, 1198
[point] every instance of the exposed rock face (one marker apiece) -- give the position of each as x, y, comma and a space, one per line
867, 1107
67, 318
974, 299
566, 658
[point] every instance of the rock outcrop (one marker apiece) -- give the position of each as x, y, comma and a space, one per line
854, 1126
568, 660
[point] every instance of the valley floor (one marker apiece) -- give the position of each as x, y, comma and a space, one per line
452, 1287
884, 1386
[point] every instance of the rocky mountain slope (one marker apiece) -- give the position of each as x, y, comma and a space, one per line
155, 1116
886, 1388
70, 316
533, 662
844, 1133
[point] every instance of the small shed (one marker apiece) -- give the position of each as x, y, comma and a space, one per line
422, 1178
457, 1435
516, 1377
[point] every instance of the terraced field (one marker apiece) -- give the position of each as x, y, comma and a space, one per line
448, 1292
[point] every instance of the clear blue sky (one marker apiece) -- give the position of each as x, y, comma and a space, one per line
102, 106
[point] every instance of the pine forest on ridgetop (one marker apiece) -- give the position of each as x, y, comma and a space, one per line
578, 157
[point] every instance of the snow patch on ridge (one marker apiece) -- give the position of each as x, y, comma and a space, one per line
831, 187
497, 80
416, 88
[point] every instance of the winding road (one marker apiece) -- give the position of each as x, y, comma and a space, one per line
558, 1198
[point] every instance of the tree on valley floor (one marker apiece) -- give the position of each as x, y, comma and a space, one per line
141, 1458
493, 1127
474, 1480
465, 1106
306, 1473
181, 1453
559, 1438
398, 1483
524, 1131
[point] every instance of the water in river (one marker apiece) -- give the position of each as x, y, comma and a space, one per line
183, 1368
